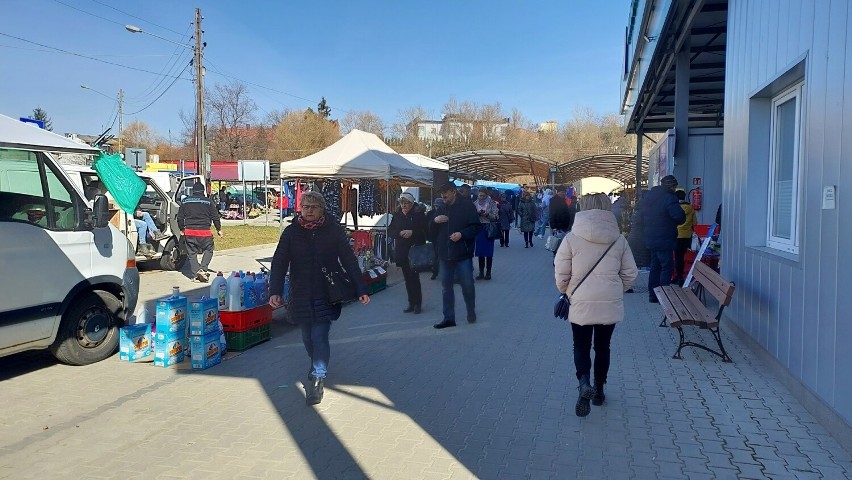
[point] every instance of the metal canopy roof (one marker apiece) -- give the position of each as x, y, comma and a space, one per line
700, 26
620, 168
500, 165
503, 166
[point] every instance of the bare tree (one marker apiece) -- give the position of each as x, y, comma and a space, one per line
365, 121
300, 134
231, 113
406, 122
137, 134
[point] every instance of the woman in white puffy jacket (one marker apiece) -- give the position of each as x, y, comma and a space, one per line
598, 304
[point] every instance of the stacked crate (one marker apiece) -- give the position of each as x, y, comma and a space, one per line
246, 328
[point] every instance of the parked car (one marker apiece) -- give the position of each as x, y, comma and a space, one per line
70, 277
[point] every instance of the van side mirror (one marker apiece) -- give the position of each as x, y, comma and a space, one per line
101, 211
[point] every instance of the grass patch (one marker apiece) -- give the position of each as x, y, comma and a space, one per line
245, 236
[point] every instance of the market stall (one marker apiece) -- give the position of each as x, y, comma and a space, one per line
362, 159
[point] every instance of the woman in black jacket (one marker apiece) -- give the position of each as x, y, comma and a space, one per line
309, 244
408, 228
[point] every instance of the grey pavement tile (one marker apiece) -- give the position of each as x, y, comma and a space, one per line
725, 473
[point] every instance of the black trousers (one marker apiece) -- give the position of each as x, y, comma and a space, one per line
683, 245
412, 284
194, 247
583, 338
528, 236
485, 264
504, 237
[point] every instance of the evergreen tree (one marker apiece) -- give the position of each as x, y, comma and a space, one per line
323, 109
40, 114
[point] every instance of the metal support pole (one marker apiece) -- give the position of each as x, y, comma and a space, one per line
199, 100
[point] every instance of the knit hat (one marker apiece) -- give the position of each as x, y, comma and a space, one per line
407, 197
669, 181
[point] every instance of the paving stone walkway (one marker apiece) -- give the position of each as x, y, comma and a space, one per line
490, 400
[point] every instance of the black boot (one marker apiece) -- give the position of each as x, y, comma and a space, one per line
599, 397
586, 391
314, 395
409, 309
480, 276
417, 308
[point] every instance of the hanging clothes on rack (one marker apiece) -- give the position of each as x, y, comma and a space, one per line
331, 192
367, 197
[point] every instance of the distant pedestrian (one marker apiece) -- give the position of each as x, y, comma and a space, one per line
507, 215
308, 246
454, 231
484, 251
661, 214
636, 235
194, 217
598, 303
408, 229
526, 218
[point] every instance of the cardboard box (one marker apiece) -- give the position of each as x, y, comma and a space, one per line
134, 342
171, 315
169, 349
203, 316
206, 350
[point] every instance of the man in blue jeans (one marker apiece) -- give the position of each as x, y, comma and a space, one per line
145, 226
453, 230
661, 214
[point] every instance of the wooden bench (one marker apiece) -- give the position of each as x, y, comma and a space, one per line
686, 306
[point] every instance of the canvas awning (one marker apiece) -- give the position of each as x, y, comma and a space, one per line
357, 155
425, 162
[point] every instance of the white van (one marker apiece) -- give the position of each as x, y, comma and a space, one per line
160, 204
69, 277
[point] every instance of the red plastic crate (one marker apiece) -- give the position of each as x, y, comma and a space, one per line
245, 319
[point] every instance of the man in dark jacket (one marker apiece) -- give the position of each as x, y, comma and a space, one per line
454, 231
661, 214
561, 214
194, 217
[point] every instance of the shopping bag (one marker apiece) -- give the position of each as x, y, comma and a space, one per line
554, 241
121, 181
421, 258
493, 231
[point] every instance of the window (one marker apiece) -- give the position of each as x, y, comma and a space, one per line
28, 196
784, 170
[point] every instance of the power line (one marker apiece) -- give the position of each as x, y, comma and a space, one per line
72, 7
87, 57
93, 54
161, 94
170, 68
134, 16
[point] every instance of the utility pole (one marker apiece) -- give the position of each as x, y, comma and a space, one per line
120, 115
199, 107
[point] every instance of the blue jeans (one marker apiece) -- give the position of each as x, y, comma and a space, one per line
463, 271
315, 338
145, 226
662, 267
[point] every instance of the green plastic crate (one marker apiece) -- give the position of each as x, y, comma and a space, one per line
239, 341
378, 286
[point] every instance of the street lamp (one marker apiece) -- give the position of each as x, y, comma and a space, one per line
120, 100
200, 146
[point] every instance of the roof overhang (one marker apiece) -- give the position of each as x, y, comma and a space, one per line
499, 165
657, 33
620, 168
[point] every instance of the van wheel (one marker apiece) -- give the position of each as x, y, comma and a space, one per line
173, 257
88, 332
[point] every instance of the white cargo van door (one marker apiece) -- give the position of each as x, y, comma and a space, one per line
44, 253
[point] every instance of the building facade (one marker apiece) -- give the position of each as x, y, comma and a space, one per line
783, 159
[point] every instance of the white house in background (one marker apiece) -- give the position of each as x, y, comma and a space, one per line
454, 127
770, 80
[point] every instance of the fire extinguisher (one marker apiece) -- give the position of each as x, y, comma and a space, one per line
695, 198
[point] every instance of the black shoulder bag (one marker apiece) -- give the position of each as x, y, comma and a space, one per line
563, 303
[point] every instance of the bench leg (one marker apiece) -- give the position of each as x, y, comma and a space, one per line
718, 337
680, 345
663, 322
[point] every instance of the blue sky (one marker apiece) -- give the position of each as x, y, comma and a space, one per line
545, 58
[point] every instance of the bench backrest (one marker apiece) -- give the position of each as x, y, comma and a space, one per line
713, 283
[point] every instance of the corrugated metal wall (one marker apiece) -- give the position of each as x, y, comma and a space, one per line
799, 309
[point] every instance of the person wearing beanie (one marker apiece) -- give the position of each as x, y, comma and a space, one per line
408, 228
661, 215
194, 217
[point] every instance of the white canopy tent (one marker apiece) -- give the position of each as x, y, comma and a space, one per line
424, 161
357, 155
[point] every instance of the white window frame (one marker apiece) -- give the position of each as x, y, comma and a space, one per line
790, 245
